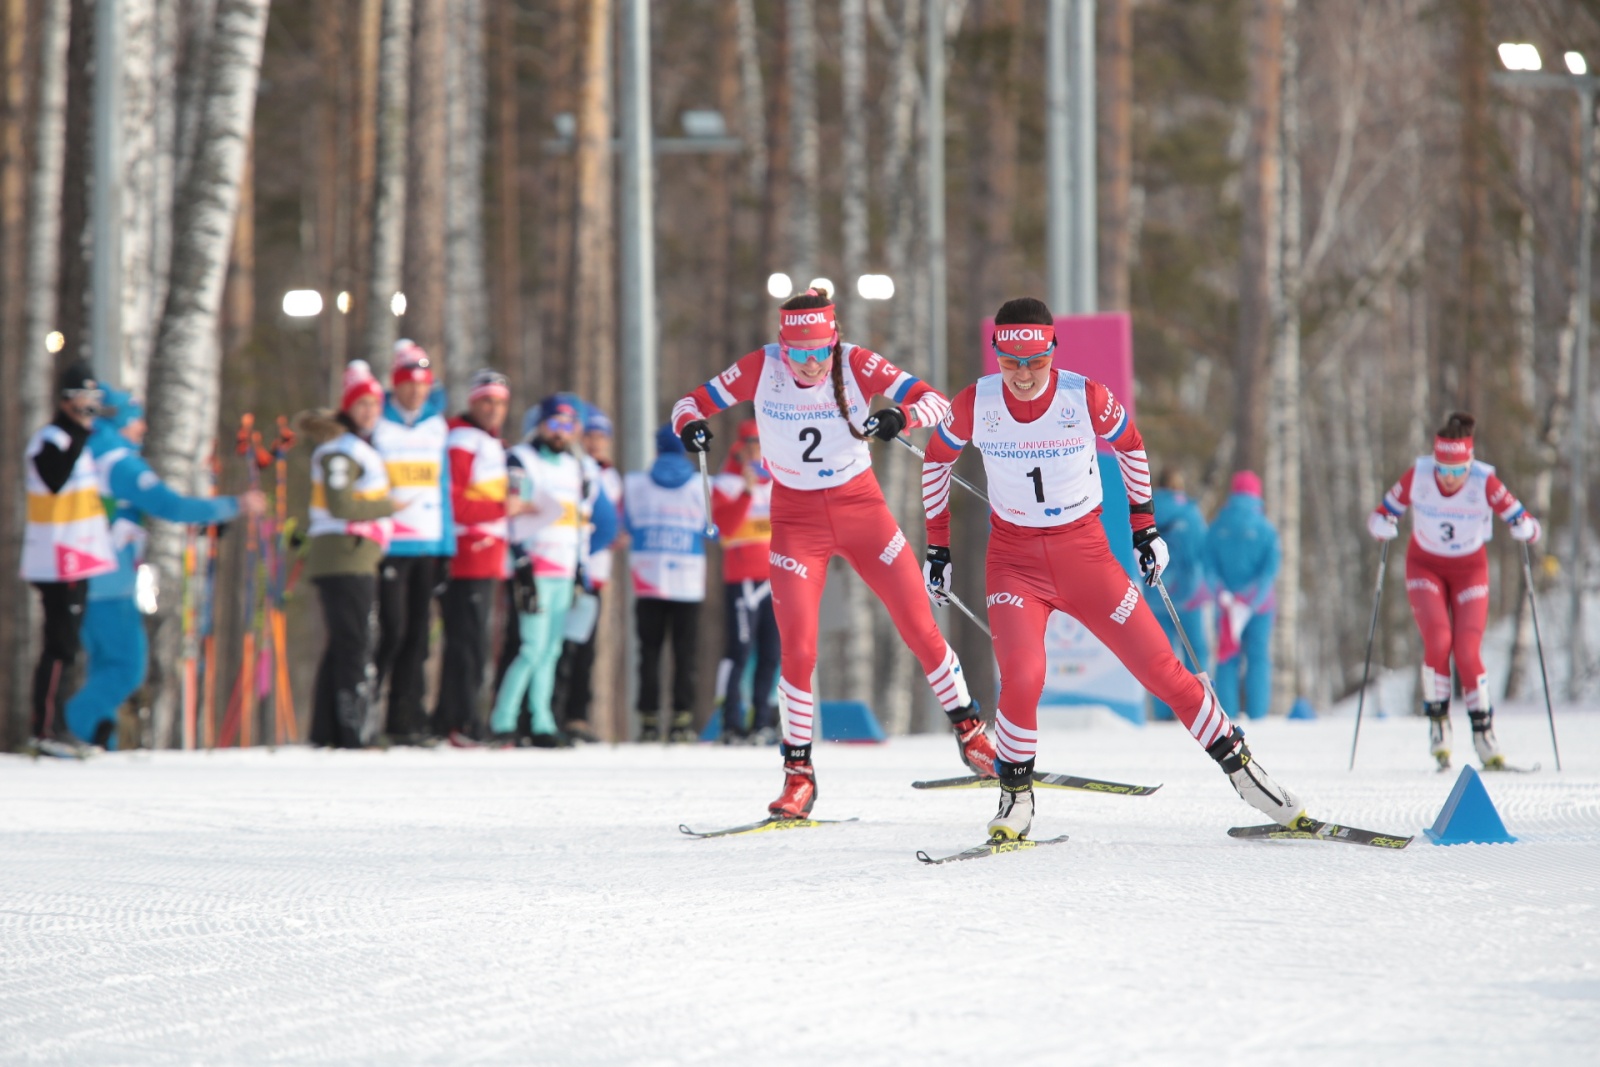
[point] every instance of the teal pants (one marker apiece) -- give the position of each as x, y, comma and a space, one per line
532, 675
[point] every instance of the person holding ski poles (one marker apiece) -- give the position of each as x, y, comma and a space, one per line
113, 629
1035, 428
1454, 499
811, 392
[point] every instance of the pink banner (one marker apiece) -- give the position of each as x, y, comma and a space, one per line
1095, 346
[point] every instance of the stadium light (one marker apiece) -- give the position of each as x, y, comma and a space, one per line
779, 285
875, 286
302, 303
54, 341
1576, 63
1520, 56
342, 302
397, 304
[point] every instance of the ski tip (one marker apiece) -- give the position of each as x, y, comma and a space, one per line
924, 857
683, 828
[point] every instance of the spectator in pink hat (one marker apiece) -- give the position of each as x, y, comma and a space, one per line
1243, 553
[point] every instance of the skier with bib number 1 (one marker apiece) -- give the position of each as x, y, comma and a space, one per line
1035, 428
811, 392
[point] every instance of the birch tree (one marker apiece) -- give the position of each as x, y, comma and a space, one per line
428, 156
507, 238
184, 370
141, 205
466, 310
594, 327
389, 193
804, 166
1114, 66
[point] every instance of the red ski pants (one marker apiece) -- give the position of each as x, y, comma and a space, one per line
1450, 598
1071, 569
810, 527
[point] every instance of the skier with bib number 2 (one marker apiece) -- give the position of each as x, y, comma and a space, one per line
1035, 427
811, 392
1453, 500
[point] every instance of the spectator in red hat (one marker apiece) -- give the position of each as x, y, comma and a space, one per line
1243, 553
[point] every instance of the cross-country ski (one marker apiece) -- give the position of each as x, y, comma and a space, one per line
990, 848
1046, 779
762, 827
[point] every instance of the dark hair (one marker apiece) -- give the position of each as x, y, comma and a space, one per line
1024, 310
1458, 426
819, 298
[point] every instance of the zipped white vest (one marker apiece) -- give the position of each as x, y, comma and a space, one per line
804, 439
668, 555
67, 537
1456, 525
414, 458
553, 534
488, 478
1040, 473
372, 483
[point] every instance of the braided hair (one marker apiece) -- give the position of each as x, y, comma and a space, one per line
819, 298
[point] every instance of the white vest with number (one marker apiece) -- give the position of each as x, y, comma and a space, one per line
553, 532
1456, 525
372, 483
804, 439
1040, 473
414, 458
67, 537
668, 553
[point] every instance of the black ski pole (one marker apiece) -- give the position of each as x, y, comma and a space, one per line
1533, 602
962, 482
1372, 630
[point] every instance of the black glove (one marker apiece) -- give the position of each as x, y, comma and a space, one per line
441, 575
887, 424
524, 590
1153, 555
695, 435
936, 574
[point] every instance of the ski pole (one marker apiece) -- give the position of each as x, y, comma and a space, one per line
1533, 602
979, 623
705, 485
1161, 587
962, 482
1372, 630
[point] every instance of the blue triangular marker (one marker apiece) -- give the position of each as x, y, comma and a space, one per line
1469, 816
1302, 710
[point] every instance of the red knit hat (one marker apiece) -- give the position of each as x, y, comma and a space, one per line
411, 365
358, 382
1248, 483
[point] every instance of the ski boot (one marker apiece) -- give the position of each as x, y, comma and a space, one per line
1483, 740
1015, 817
799, 785
1439, 733
1251, 781
649, 728
682, 732
974, 744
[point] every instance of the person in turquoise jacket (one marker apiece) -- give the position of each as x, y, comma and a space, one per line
113, 628
1243, 553
1183, 528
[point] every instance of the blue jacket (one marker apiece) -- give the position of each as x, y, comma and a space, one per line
436, 404
132, 491
1183, 528
1243, 553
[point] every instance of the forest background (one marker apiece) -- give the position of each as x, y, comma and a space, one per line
1329, 224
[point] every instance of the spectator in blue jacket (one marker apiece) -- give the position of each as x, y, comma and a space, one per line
1183, 527
113, 629
1243, 554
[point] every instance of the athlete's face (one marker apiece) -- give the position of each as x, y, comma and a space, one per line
1451, 479
808, 372
1025, 379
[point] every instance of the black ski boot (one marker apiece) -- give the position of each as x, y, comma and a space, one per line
1439, 739
1483, 740
1015, 817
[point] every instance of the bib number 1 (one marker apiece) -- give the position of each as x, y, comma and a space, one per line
1037, 474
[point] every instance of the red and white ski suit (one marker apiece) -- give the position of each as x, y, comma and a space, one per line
826, 502
1047, 549
1447, 571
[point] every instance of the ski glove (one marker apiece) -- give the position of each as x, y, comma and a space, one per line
695, 435
936, 574
524, 590
1153, 555
886, 425
1526, 529
1383, 527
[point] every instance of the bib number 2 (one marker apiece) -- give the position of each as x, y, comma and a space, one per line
814, 435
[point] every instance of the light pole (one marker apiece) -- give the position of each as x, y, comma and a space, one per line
1070, 245
1523, 63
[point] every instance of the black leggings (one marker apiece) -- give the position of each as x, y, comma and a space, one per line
751, 627
656, 620
63, 619
405, 609
341, 714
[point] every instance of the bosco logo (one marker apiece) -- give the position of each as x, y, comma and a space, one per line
896, 544
785, 563
1001, 599
1129, 600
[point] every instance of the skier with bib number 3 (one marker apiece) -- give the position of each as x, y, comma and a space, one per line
1453, 500
811, 392
1035, 428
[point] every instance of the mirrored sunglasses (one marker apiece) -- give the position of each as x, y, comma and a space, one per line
1453, 470
564, 423
1018, 362
808, 355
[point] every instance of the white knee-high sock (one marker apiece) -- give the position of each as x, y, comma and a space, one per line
1013, 743
949, 683
796, 708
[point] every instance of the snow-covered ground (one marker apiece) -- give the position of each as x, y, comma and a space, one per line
541, 907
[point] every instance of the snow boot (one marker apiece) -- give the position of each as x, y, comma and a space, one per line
974, 744
1439, 733
682, 732
1251, 781
1015, 817
649, 727
1483, 740
799, 785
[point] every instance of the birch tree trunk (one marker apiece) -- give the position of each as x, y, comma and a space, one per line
1258, 249
336, 100
367, 118
801, 71
594, 328
508, 225
1115, 153
422, 275
140, 206
389, 190
466, 311
184, 370
14, 126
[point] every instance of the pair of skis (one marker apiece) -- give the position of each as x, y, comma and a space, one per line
1306, 829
